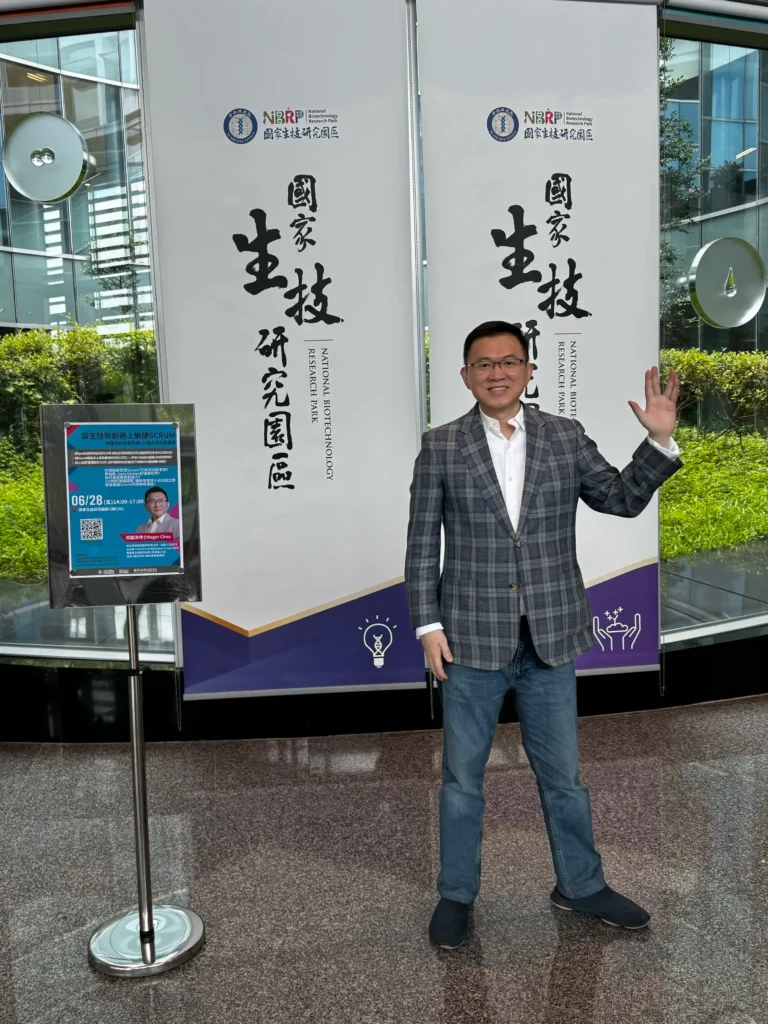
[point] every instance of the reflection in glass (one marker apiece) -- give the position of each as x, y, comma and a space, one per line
33, 226
729, 129
730, 81
735, 224
25, 90
38, 51
137, 194
683, 65
711, 185
5, 236
96, 111
102, 228
113, 288
714, 177
109, 292
128, 67
7, 303
45, 291
43, 227
96, 54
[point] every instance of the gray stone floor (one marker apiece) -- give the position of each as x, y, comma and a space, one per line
312, 863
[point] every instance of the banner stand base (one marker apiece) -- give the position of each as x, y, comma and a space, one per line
150, 940
116, 947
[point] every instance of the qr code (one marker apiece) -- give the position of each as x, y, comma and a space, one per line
91, 529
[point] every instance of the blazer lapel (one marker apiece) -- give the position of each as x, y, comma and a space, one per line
473, 445
537, 450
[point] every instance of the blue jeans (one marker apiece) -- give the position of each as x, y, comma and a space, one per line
546, 705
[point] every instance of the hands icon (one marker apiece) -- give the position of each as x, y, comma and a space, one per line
616, 631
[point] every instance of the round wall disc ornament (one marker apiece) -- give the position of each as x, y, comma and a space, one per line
45, 157
727, 282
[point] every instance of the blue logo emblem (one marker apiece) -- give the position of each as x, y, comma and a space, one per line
503, 124
240, 125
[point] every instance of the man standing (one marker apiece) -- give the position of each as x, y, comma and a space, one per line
509, 610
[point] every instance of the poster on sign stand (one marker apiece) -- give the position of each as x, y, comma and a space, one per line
124, 508
122, 529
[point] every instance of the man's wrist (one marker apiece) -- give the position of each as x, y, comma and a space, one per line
431, 628
661, 439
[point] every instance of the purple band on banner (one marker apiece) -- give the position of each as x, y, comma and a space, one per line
368, 641
364, 642
625, 620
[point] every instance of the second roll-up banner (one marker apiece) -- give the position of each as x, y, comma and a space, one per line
281, 201
540, 125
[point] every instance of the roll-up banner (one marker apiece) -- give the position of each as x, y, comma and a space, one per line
280, 203
540, 133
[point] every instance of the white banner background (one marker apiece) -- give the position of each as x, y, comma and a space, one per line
599, 60
272, 555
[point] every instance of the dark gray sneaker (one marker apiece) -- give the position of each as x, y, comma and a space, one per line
609, 906
448, 927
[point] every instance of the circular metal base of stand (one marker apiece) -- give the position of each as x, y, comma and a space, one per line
116, 947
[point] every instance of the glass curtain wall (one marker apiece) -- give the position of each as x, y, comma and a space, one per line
714, 184
76, 317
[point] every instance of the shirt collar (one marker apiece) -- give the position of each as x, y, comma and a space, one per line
492, 424
160, 520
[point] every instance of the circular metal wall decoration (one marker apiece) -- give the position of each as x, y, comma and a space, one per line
45, 157
727, 282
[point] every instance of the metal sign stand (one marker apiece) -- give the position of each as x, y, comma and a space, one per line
154, 939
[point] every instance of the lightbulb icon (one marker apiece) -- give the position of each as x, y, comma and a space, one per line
377, 637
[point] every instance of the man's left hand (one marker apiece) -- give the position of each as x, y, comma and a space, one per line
660, 413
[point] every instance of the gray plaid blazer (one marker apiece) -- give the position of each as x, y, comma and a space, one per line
488, 566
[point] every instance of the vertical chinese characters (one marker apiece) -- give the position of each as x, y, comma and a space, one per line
308, 302
277, 423
531, 333
558, 195
559, 288
561, 296
302, 199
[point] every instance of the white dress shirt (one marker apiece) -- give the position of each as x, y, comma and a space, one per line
157, 524
508, 455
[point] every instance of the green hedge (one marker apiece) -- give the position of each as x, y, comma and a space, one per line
22, 517
735, 382
720, 496
76, 365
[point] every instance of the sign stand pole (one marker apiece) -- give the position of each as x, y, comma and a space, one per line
154, 939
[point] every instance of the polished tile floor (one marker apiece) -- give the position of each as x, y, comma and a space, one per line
312, 864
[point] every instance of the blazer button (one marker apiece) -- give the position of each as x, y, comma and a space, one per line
518, 543
513, 586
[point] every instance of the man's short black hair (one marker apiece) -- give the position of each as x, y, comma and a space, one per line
491, 329
155, 490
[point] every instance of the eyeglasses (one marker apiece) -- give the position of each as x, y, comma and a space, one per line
486, 365
157, 501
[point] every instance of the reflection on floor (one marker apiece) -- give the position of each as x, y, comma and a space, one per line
715, 586
25, 618
312, 863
